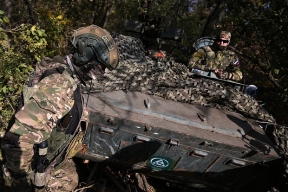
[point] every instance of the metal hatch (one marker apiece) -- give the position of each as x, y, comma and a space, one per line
206, 118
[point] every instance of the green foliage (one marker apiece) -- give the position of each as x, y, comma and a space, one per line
55, 24
20, 47
3, 19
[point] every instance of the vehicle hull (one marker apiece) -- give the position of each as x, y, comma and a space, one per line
194, 145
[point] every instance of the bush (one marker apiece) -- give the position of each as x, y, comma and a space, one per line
20, 48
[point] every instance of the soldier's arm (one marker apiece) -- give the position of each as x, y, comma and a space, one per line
234, 72
196, 59
35, 121
236, 75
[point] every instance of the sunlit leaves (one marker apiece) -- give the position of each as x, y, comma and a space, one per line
33, 39
276, 71
4, 89
6, 20
60, 17
19, 47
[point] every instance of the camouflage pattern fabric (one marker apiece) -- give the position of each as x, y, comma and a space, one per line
35, 121
63, 178
208, 59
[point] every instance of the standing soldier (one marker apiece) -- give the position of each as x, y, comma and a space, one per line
217, 59
52, 116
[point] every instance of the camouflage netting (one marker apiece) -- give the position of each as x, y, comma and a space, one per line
170, 80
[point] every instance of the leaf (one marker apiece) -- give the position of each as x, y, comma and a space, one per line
11, 89
23, 65
60, 17
1, 12
276, 71
40, 32
4, 89
37, 58
6, 19
33, 28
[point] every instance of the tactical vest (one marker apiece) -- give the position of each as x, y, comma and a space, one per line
64, 131
220, 60
62, 134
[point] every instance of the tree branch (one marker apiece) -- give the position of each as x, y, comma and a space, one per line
213, 18
8, 8
257, 63
30, 12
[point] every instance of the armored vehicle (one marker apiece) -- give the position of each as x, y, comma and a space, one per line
162, 121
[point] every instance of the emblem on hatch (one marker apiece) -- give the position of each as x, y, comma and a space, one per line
160, 163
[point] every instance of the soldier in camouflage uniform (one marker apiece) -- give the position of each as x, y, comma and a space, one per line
51, 113
218, 59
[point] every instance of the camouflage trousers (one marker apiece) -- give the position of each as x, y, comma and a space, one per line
63, 178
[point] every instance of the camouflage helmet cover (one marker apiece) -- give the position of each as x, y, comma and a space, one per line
225, 35
94, 41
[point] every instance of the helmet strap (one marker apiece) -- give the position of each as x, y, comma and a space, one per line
75, 70
69, 62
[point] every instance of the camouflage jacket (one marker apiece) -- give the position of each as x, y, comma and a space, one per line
207, 59
47, 101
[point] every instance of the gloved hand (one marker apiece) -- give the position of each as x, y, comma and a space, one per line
220, 73
223, 74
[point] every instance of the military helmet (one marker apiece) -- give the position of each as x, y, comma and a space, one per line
225, 35
94, 42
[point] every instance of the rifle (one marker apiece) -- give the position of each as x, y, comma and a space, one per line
250, 90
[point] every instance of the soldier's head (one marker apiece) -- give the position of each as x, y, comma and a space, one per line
93, 44
223, 39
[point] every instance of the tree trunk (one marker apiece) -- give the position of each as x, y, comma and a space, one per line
8, 8
94, 14
30, 12
106, 16
213, 18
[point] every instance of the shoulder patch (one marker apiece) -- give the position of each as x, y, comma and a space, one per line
236, 62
